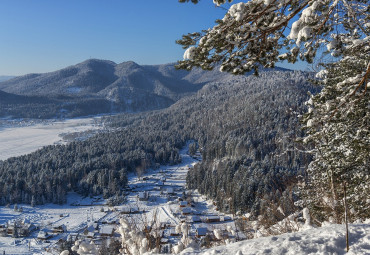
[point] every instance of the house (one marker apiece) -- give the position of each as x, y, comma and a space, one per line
186, 211
59, 229
210, 219
183, 204
164, 240
89, 231
143, 196
107, 230
226, 218
170, 191
43, 235
194, 219
201, 232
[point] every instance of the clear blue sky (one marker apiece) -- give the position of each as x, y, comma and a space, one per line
39, 36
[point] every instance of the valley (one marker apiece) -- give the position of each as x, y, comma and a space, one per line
168, 202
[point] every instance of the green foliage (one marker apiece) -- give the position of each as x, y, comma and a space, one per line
338, 127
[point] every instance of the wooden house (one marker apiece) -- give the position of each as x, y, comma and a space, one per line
211, 219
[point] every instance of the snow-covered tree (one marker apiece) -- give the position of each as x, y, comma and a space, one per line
260, 33
337, 123
85, 248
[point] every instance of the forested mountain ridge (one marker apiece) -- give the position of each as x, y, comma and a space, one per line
245, 128
100, 86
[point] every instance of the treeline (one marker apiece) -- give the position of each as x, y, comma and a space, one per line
245, 128
96, 166
71, 107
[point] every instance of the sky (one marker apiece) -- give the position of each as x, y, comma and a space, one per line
38, 36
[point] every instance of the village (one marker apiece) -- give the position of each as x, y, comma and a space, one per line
157, 201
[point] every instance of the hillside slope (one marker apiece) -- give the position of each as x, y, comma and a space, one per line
245, 128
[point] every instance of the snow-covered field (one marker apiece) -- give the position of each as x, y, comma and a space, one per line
328, 240
19, 138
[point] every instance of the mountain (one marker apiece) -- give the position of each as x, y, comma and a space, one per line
96, 86
101, 86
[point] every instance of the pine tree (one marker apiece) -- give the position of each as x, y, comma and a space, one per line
255, 34
338, 126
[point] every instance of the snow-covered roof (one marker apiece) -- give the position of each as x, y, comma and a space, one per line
43, 234
202, 231
106, 230
187, 210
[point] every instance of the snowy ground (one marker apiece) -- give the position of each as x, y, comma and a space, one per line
325, 240
20, 137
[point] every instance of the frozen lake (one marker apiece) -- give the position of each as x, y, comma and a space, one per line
21, 139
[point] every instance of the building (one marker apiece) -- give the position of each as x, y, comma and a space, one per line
201, 232
107, 230
194, 219
210, 219
59, 229
183, 204
170, 191
186, 211
43, 235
